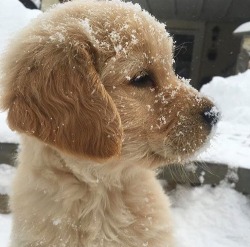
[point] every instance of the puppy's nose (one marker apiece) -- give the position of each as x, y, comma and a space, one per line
211, 115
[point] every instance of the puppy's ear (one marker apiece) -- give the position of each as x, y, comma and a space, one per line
53, 92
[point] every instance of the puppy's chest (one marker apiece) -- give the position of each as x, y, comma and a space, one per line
123, 217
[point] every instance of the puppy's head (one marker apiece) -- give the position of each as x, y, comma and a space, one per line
91, 77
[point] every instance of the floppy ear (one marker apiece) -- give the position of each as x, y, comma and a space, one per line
53, 92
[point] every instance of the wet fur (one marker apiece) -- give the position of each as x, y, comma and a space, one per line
90, 140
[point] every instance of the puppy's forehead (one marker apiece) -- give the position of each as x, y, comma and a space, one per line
124, 27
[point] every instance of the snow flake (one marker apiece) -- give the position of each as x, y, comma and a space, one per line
57, 222
58, 36
201, 177
86, 25
115, 36
162, 120
134, 40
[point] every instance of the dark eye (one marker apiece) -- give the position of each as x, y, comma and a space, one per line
143, 80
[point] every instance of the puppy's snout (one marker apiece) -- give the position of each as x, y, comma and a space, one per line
211, 115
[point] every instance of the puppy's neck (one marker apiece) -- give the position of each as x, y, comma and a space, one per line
45, 159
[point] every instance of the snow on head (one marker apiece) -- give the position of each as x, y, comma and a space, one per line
130, 14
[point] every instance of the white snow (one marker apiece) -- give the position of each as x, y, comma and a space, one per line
211, 217
5, 228
7, 173
243, 28
13, 17
203, 216
6, 135
231, 144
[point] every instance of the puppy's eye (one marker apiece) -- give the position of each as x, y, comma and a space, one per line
143, 80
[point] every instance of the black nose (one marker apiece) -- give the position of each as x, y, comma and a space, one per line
211, 115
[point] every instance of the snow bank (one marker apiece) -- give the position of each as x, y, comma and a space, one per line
231, 144
231, 95
205, 216
13, 17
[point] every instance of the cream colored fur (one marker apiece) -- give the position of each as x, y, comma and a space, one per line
62, 201
91, 137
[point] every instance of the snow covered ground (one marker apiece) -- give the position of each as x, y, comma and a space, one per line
5, 227
203, 216
211, 217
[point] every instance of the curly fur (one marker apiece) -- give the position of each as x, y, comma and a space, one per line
90, 138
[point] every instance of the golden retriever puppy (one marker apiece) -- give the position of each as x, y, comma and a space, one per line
90, 87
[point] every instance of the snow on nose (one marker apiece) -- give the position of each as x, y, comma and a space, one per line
211, 115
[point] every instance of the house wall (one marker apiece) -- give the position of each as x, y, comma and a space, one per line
197, 29
215, 48
219, 56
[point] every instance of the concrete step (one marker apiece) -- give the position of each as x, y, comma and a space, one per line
198, 173
8, 153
